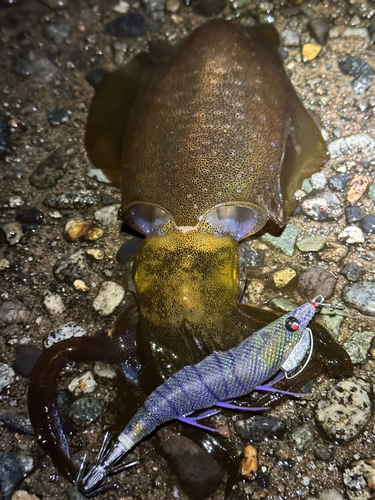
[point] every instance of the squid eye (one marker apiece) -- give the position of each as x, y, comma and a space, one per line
291, 324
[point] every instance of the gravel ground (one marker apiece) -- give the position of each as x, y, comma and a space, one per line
325, 447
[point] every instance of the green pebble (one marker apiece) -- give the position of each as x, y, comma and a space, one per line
358, 345
285, 242
311, 243
371, 192
284, 305
306, 186
333, 319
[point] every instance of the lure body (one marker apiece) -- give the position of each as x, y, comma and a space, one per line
220, 377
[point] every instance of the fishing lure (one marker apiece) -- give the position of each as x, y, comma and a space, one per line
215, 382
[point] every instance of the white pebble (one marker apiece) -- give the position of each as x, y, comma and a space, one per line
6, 375
16, 201
109, 297
63, 332
351, 235
53, 303
83, 384
108, 215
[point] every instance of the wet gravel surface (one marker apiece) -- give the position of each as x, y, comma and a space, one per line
59, 238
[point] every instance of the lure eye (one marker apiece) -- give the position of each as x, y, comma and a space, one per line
292, 324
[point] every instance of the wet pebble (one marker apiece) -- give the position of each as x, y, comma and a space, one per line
75, 229
64, 332
58, 116
363, 73
80, 286
321, 452
361, 296
249, 464
249, 256
84, 411
6, 375
104, 370
72, 266
319, 30
35, 62
4, 136
329, 494
121, 7
285, 242
172, 6
23, 495
83, 384
346, 410
302, 437
333, 319
129, 25
98, 175
311, 244
154, 8
367, 224
371, 192
352, 272
290, 38
357, 187
351, 144
74, 199
57, 33
351, 235
13, 468
359, 480
322, 206
310, 51
318, 180
52, 169
31, 216
13, 232
26, 357
4, 264
209, 8
352, 214
283, 277
358, 346
13, 312
108, 215
316, 281
259, 428
16, 201
18, 422
335, 252
106, 199
187, 459
338, 182
109, 297
53, 303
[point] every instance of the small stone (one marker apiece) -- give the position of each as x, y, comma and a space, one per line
107, 199
306, 186
18, 422
357, 188
75, 229
367, 224
98, 175
6, 375
58, 116
76, 199
13, 232
56, 4
290, 38
122, 7
4, 136
209, 8
109, 297
84, 411
13, 312
358, 143
104, 370
333, 319
302, 437
371, 192
360, 32
311, 243
283, 277
23, 495
13, 469
361, 70
352, 272
316, 281
310, 51
247, 255
352, 214
130, 25
322, 453
30, 216
358, 346
4, 264
53, 303
155, 9
318, 180
108, 215
319, 29
16, 201
80, 286
26, 357
254, 290
71, 267
285, 242
94, 77
322, 206
52, 169
35, 62
371, 32
284, 305
57, 33
249, 464
64, 332
345, 411
351, 235
330, 494
260, 428
359, 480
338, 182
85, 383
361, 296
95, 253
172, 6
